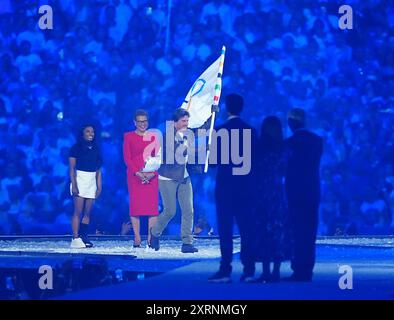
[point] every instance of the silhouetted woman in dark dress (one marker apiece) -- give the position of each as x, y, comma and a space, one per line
272, 214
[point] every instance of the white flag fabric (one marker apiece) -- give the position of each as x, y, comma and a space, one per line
204, 93
152, 164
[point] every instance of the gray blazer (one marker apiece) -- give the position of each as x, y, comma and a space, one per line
169, 167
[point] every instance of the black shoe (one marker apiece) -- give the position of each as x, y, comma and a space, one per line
275, 277
270, 278
154, 241
247, 279
188, 248
87, 242
220, 277
83, 234
264, 278
137, 244
297, 278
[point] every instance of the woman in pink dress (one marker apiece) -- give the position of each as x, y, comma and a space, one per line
141, 152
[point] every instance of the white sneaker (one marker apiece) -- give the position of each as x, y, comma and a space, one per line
77, 243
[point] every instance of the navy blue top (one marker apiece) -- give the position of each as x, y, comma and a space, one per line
88, 156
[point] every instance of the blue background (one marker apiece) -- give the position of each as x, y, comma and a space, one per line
104, 59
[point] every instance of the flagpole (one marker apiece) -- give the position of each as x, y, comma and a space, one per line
167, 41
218, 88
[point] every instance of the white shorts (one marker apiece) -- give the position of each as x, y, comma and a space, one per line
86, 183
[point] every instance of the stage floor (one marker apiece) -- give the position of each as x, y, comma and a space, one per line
30, 253
169, 248
184, 276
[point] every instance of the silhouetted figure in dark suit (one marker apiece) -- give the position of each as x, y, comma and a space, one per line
233, 191
303, 193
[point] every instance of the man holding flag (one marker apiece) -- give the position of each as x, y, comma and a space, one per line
174, 182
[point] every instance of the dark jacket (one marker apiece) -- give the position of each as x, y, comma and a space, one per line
302, 177
225, 177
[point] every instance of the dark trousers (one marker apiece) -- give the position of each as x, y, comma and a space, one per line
304, 221
228, 209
